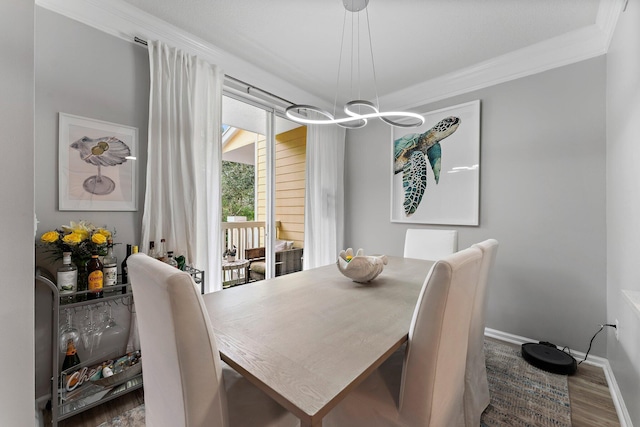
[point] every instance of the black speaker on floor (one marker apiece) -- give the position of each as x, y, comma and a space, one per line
548, 357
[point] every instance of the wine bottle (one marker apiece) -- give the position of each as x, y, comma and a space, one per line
83, 280
110, 266
67, 278
125, 272
96, 277
134, 250
71, 359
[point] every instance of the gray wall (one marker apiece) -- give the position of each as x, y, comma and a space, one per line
16, 211
85, 72
623, 202
542, 195
82, 71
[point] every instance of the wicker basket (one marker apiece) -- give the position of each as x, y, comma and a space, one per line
120, 377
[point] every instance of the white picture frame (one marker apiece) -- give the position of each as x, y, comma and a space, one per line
97, 165
455, 199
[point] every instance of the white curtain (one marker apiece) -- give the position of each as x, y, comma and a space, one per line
182, 201
324, 195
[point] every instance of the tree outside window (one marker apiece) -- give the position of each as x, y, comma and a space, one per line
238, 180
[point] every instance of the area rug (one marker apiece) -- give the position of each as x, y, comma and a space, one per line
132, 418
521, 395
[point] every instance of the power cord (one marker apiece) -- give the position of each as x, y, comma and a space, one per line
594, 336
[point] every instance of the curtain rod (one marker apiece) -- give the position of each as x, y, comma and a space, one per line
248, 87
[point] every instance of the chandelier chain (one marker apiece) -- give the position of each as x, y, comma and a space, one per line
373, 62
357, 44
344, 26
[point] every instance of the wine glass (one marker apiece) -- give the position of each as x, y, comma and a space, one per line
112, 325
68, 332
111, 329
86, 327
99, 326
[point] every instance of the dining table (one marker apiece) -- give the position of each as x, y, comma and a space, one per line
308, 338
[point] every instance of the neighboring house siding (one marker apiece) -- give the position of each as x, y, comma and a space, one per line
291, 152
290, 183
240, 139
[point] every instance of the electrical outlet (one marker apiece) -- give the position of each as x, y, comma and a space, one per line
617, 329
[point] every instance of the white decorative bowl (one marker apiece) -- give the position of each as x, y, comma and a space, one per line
360, 268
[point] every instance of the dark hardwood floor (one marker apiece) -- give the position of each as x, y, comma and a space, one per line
591, 402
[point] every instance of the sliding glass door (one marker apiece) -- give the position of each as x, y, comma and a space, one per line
262, 193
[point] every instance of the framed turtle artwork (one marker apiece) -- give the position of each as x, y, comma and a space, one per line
435, 174
97, 165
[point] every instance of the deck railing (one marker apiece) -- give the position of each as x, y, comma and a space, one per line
244, 235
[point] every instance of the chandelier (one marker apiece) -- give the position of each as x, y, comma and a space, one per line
358, 111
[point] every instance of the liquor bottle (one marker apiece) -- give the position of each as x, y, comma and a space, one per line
83, 280
96, 277
130, 251
110, 266
171, 260
123, 266
162, 252
67, 279
152, 250
71, 359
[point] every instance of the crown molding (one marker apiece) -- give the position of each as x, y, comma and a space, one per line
122, 20
608, 14
575, 46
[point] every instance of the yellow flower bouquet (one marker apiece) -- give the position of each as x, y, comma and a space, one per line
80, 238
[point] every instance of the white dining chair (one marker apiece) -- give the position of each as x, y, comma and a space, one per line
423, 386
185, 381
423, 243
476, 392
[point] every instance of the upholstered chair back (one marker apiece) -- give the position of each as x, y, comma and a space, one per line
432, 387
429, 244
476, 393
181, 365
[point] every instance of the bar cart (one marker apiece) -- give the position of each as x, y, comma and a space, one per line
78, 389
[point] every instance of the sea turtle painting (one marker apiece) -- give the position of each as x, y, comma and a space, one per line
410, 154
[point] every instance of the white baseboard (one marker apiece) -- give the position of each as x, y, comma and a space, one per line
601, 362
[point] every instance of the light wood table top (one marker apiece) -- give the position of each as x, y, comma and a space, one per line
310, 337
